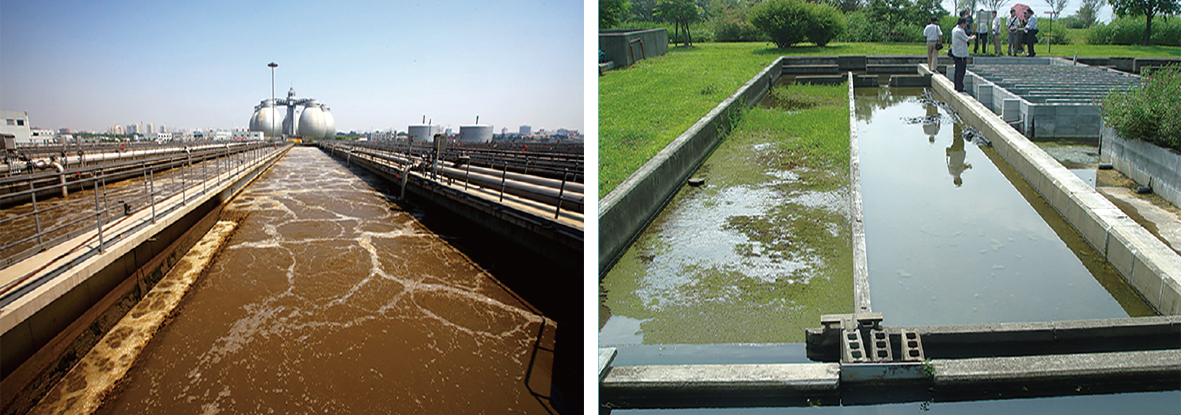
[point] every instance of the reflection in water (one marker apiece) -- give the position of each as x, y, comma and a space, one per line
956, 155
931, 123
983, 253
331, 299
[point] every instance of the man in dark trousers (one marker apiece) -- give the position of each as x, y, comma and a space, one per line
1030, 32
959, 51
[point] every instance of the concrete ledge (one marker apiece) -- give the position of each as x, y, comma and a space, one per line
718, 385
861, 297
625, 211
1073, 369
1125, 242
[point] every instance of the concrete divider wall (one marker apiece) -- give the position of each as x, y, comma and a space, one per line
1146, 263
1146, 163
625, 211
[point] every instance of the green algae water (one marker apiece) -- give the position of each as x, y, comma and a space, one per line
758, 252
955, 236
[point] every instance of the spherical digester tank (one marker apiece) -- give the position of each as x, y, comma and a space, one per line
266, 119
311, 122
478, 133
423, 133
329, 123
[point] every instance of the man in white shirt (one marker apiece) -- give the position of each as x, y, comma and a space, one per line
996, 33
959, 51
1030, 31
934, 35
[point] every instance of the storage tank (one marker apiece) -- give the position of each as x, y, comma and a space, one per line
266, 119
329, 124
477, 133
312, 124
423, 133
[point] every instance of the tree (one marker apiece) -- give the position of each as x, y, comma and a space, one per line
994, 5
1056, 6
611, 12
1146, 8
642, 10
1088, 12
682, 13
961, 5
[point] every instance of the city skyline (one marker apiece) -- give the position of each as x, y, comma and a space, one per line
377, 65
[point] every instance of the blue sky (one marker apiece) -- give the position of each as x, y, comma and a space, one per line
86, 65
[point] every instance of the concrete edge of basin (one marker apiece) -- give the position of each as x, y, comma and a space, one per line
861, 297
628, 209
1126, 244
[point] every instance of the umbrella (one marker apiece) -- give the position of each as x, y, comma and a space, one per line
1020, 8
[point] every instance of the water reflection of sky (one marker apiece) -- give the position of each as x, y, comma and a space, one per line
973, 252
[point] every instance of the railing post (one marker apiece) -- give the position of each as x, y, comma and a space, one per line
36, 214
503, 173
561, 191
152, 192
467, 174
99, 218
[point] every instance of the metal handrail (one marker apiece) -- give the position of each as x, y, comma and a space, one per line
223, 163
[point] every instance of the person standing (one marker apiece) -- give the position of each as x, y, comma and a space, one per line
981, 26
1015, 29
959, 51
996, 33
934, 35
1030, 31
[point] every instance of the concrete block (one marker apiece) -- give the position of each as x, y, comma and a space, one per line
606, 356
1170, 298
1119, 255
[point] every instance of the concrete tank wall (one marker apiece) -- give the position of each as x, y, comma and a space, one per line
475, 133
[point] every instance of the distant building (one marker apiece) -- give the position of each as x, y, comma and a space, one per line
117, 130
159, 136
526, 130
42, 137
247, 135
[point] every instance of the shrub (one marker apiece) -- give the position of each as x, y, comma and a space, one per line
1052, 33
788, 22
827, 23
733, 29
861, 27
1130, 31
1150, 111
784, 21
1071, 22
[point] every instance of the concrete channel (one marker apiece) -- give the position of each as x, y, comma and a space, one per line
527, 219
912, 364
81, 289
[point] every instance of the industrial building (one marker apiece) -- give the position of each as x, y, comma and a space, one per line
16, 124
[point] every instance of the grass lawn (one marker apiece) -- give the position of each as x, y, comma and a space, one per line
644, 107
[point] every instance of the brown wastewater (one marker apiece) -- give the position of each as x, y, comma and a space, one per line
330, 298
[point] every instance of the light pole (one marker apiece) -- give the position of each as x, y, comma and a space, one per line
272, 65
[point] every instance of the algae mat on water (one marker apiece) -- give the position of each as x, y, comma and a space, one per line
760, 251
